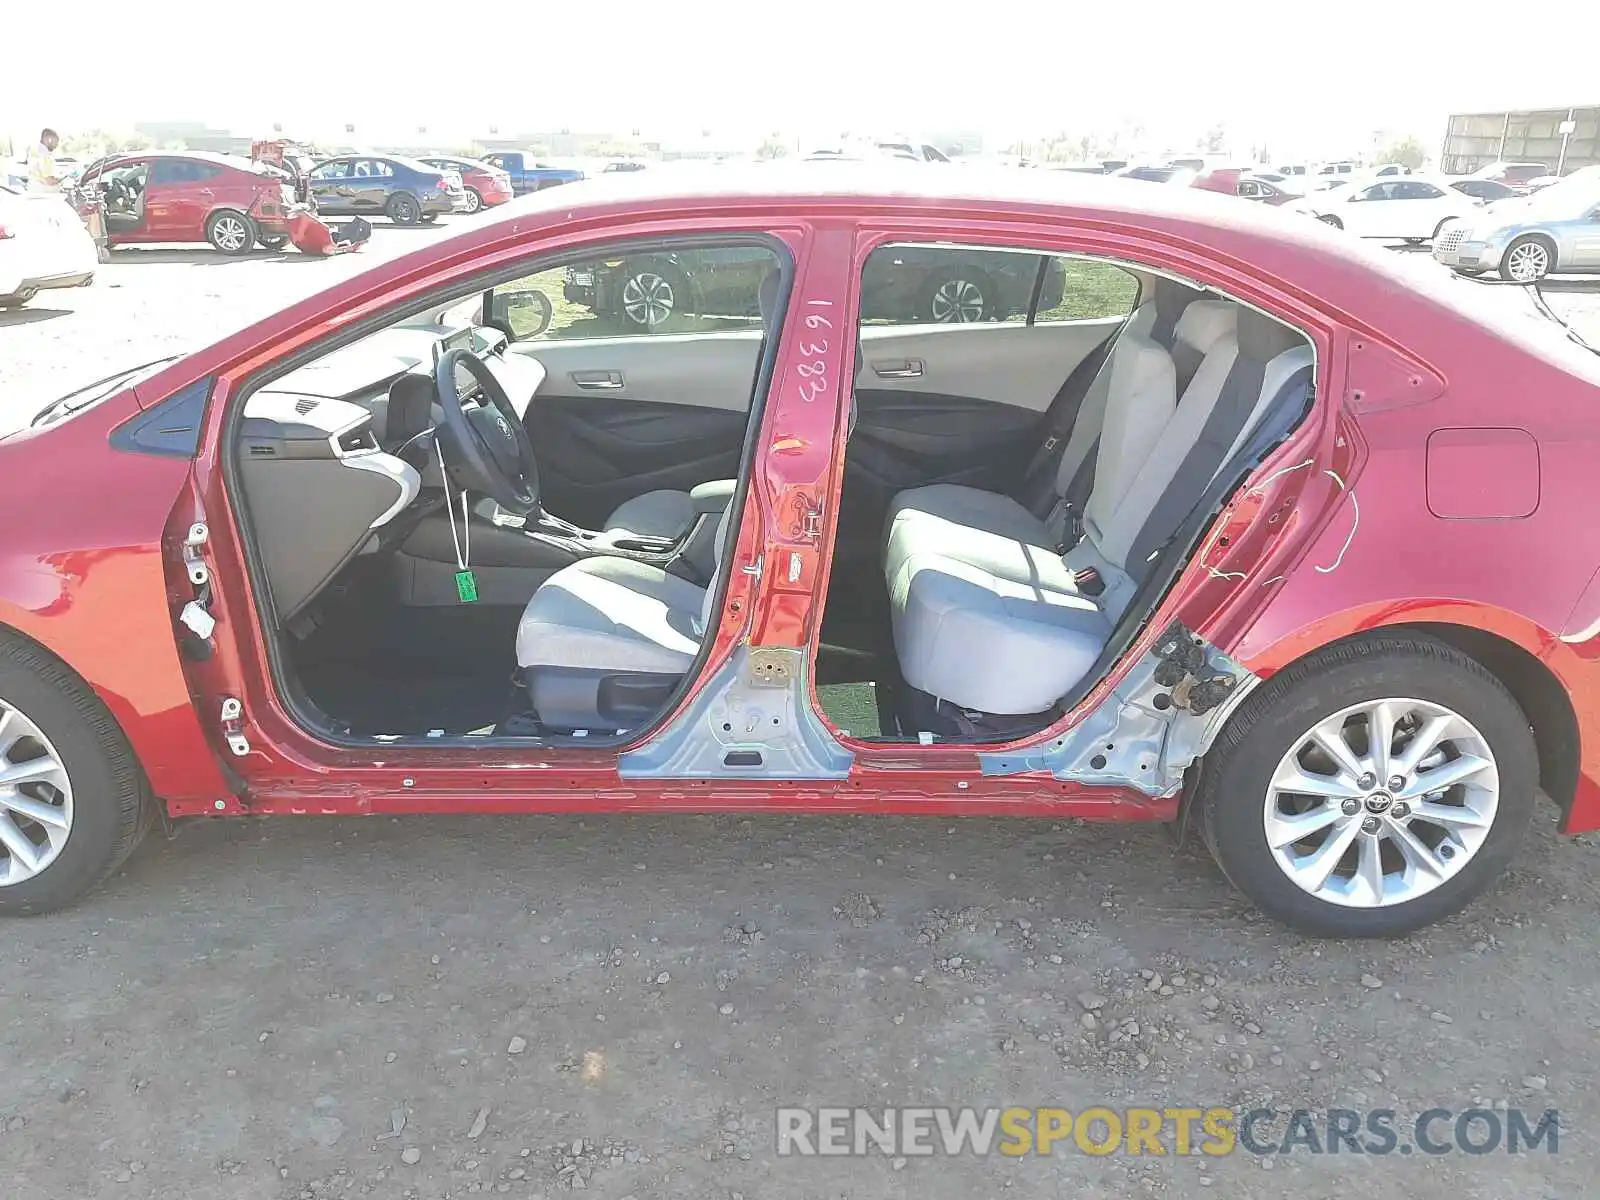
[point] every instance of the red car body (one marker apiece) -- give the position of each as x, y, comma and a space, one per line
491, 185
183, 192
1443, 481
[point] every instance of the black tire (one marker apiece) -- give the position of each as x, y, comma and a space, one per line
1330, 219
403, 209
474, 200
112, 807
948, 299
1527, 240
429, 218
1236, 773
230, 232
651, 295
273, 241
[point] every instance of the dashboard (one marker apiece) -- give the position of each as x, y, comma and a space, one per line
330, 461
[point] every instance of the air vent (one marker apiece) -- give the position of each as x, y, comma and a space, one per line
357, 440
263, 450
305, 405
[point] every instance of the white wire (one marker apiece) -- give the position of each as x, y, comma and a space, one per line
450, 516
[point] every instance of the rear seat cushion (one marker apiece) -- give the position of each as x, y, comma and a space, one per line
964, 635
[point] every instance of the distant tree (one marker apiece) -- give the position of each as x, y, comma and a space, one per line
772, 147
1408, 150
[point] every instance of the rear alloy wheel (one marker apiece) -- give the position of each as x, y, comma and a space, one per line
1527, 260
649, 299
1370, 790
231, 232
474, 200
403, 209
73, 803
957, 300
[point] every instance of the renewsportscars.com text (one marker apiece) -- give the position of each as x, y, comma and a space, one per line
1016, 1131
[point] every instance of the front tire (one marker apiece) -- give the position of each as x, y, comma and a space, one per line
1336, 837
1528, 260
75, 803
231, 233
403, 209
958, 299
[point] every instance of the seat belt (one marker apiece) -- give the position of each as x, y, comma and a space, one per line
1037, 491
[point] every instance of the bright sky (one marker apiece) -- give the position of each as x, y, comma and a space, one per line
1303, 78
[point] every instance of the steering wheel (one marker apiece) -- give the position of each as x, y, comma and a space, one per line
486, 448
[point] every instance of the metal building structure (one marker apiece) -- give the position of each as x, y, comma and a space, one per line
1564, 139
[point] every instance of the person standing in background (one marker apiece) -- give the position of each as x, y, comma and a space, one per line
43, 178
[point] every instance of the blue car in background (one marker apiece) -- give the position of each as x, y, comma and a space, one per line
385, 185
529, 172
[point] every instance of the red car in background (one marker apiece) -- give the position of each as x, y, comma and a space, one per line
229, 202
485, 185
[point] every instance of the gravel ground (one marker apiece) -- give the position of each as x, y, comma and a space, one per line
434, 1008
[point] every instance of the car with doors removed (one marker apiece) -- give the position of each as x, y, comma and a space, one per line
1555, 231
655, 290
1411, 208
483, 184
43, 246
1150, 554
531, 172
405, 190
230, 202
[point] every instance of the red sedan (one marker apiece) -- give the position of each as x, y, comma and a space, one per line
486, 186
1253, 530
231, 203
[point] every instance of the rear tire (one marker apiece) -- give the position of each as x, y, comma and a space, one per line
474, 200
230, 232
1330, 219
273, 241
403, 209
105, 803
1272, 741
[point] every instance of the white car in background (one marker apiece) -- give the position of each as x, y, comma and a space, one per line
43, 244
1410, 208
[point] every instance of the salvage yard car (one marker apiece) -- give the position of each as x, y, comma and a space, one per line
483, 185
1153, 554
1412, 208
230, 202
43, 245
1550, 232
404, 190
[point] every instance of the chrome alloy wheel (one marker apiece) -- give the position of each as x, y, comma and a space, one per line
230, 234
1381, 802
648, 299
35, 799
957, 300
1528, 262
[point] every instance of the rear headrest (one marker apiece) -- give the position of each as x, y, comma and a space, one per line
1206, 322
1172, 297
1262, 339
767, 294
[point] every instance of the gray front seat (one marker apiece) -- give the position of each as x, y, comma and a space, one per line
604, 642
667, 513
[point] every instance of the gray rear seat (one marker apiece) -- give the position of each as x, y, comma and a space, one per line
989, 624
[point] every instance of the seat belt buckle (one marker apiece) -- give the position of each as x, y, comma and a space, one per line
1051, 442
1088, 581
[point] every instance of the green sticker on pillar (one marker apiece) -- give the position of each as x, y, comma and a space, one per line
466, 586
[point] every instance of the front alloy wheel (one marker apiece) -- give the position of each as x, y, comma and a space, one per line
648, 299
958, 301
1527, 261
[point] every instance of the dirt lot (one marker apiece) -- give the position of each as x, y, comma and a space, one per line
619, 1004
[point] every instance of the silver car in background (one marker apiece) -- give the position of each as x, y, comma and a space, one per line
1554, 231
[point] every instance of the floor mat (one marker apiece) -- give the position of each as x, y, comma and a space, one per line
853, 707
376, 704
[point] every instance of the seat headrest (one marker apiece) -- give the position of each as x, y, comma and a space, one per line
767, 294
1172, 297
1206, 322
410, 407
1262, 339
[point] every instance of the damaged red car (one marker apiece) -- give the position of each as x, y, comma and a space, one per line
1248, 529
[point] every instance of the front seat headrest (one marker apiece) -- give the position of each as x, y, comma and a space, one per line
410, 407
